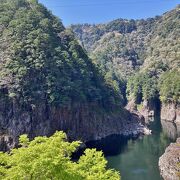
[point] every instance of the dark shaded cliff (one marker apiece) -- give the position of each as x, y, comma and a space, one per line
84, 122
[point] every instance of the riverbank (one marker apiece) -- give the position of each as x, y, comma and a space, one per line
111, 144
169, 162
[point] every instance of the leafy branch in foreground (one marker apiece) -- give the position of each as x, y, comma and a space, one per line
50, 158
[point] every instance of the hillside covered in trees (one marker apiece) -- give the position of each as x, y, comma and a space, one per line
52, 81
40, 59
48, 82
137, 52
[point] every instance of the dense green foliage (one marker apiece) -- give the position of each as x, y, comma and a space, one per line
143, 49
50, 158
120, 48
41, 60
90, 35
141, 87
170, 86
116, 47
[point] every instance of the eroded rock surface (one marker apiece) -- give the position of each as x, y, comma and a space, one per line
171, 112
83, 122
169, 162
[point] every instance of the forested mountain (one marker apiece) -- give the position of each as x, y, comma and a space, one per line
48, 82
118, 43
51, 81
40, 59
137, 51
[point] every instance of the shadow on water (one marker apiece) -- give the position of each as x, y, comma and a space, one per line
111, 146
137, 159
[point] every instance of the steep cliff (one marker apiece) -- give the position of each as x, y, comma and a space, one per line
171, 112
147, 109
80, 121
170, 96
171, 129
169, 162
48, 83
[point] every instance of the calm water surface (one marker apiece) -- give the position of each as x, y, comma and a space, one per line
138, 159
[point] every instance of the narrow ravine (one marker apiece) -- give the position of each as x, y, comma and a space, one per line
138, 159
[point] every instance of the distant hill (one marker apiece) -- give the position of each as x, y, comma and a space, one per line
127, 48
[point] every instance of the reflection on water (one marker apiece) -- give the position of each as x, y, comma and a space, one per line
111, 145
138, 159
172, 130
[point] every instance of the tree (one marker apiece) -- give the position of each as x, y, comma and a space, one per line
41, 60
50, 158
170, 86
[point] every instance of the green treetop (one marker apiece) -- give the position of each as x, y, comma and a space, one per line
50, 158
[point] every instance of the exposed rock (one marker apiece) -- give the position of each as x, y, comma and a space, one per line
170, 112
131, 106
83, 122
168, 162
149, 108
6, 142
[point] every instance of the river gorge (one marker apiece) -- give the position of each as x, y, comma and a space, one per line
67, 89
138, 159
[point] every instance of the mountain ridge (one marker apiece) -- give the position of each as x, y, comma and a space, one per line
140, 56
48, 83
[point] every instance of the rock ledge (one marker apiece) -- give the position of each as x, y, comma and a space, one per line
168, 162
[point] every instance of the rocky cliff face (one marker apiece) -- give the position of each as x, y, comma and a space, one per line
149, 108
169, 161
80, 121
171, 129
171, 112
146, 110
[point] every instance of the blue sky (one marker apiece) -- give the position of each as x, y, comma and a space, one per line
99, 11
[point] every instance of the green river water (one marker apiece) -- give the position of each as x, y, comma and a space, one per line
138, 159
